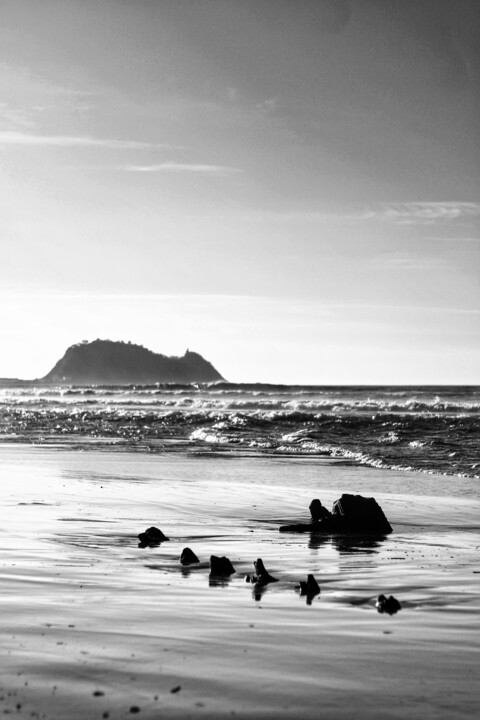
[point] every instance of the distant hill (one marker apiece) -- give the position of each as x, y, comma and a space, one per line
104, 362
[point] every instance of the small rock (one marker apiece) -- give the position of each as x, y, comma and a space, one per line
151, 537
309, 588
188, 557
358, 514
262, 577
388, 605
221, 566
176, 689
317, 511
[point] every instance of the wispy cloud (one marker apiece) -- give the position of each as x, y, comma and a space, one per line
410, 213
398, 261
175, 167
455, 239
402, 261
29, 139
423, 213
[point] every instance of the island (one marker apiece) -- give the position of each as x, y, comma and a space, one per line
106, 362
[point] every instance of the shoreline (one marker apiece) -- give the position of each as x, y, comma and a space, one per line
184, 446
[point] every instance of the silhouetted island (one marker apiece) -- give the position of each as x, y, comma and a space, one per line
105, 362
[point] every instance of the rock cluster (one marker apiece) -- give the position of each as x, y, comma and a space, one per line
351, 514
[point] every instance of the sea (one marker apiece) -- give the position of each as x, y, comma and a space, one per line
427, 429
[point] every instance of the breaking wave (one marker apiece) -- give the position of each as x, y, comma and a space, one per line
428, 429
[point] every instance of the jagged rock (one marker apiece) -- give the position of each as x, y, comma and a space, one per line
221, 566
358, 514
262, 576
388, 605
188, 557
309, 588
318, 511
351, 514
262, 573
151, 537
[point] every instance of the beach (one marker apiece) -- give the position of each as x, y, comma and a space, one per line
95, 626
239, 272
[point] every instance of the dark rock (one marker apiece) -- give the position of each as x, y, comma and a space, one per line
262, 576
311, 587
221, 566
151, 537
297, 527
326, 525
188, 557
388, 605
351, 514
357, 514
318, 511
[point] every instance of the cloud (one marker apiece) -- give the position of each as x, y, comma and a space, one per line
28, 139
455, 239
409, 213
423, 213
174, 167
404, 261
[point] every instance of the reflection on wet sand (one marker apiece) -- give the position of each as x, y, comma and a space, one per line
258, 591
347, 543
317, 541
358, 543
219, 580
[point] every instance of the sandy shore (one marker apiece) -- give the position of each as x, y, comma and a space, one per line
94, 626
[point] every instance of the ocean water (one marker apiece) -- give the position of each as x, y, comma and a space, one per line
428, 429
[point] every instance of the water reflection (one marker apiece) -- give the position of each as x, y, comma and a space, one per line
317, 540
348, 544
149, 543
258, 590
218, 580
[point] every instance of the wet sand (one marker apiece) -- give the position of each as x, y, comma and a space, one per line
94, 626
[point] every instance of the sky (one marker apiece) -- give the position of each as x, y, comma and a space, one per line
288, 187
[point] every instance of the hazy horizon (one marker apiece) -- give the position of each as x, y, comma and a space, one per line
41, 378
289, 188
